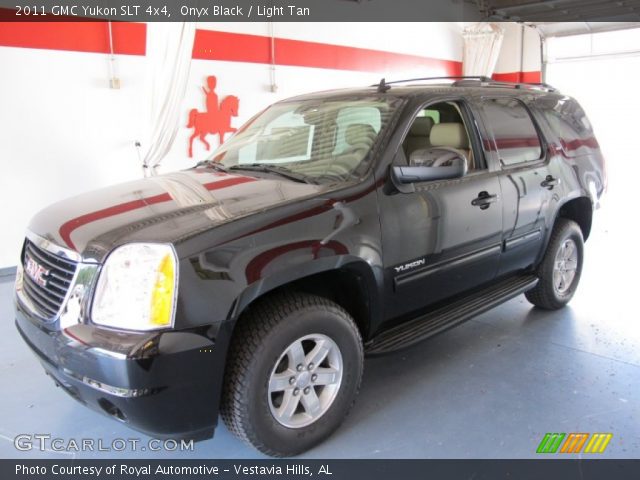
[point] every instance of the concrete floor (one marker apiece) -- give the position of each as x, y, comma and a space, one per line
489, 388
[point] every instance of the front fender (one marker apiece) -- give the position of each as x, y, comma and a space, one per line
287, 275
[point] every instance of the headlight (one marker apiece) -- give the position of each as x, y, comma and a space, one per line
137, 288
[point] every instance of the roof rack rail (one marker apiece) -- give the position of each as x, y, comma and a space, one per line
467, 80
498, 83
551, 88
383, 85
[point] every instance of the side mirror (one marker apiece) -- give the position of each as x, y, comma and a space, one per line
451, 165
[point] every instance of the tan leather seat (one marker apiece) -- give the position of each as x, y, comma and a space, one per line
418, 136
452, 135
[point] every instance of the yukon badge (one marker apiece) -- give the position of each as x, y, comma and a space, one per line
410, 265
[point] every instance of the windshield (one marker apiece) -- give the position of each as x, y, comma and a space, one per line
316, 140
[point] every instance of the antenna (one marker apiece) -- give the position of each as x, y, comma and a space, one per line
383, 87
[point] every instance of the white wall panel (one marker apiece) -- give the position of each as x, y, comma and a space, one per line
520, 50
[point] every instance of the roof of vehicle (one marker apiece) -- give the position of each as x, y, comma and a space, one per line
435, 85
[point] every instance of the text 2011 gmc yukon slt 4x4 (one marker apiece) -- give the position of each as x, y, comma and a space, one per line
330, 226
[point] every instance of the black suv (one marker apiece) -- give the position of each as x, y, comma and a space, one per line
330, 226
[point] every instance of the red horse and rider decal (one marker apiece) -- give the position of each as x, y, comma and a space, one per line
217, 118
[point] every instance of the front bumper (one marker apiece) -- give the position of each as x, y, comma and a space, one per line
165, 384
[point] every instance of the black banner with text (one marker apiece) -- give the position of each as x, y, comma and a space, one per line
329, 469
314, 10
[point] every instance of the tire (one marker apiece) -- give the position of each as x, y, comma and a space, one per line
258, 390
557, 286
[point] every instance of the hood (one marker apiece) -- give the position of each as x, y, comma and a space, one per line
166, 208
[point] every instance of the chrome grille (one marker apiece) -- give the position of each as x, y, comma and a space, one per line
47, 299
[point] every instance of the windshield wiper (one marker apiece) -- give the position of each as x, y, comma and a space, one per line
278, 170
213, 165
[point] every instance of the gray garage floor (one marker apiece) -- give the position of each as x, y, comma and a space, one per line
490, 388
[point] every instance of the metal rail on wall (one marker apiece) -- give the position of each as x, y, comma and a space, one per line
114, 81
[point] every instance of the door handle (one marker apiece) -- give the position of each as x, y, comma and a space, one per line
484, 200
550, 182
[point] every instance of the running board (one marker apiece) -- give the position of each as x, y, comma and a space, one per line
448, 316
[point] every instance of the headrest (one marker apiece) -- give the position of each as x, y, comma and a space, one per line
359, 133
421, 127
449, 135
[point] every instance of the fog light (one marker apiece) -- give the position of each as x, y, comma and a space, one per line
116, 391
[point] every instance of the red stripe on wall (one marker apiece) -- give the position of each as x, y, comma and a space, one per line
239, 47
518, 77
93, 37
130, 39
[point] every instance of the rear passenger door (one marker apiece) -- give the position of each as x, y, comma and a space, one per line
515, 143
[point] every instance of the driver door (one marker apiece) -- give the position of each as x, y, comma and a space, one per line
445, 237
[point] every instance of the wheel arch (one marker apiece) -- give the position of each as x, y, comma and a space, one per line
349, 281
580, 210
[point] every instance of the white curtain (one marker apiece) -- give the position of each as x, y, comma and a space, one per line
482, 42
169, 50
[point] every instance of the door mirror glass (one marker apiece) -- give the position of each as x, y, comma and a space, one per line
430, 164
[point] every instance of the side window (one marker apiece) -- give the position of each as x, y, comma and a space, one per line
515, 134
436, 127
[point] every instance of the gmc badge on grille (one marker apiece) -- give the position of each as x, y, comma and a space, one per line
36, 272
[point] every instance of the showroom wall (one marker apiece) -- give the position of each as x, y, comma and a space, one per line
520, 58
65, 131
